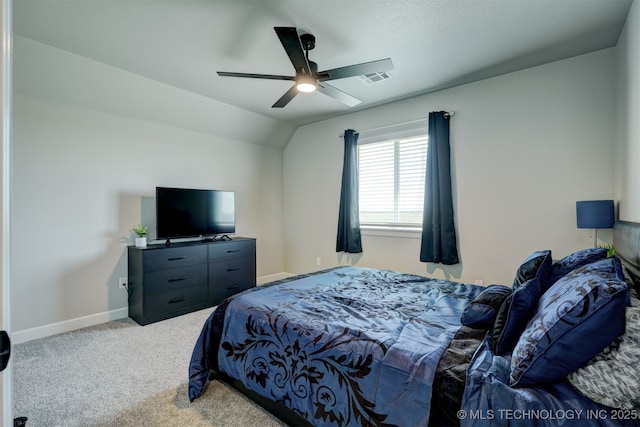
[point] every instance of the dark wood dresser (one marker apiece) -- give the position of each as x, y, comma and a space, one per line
168, 281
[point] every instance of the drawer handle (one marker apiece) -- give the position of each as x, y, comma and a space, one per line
236, 286
176, 258
178, 279
175, 300
233, 269
233, 251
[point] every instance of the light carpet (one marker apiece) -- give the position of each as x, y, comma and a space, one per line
122, 374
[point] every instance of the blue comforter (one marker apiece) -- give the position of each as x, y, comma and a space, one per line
350, 346
489, 401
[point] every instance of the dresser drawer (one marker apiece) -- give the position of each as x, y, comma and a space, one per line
225, 288
175, 278
228, 278
171, 301
228, 250
241, 270
161, 259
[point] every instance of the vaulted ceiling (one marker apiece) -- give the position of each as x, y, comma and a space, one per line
433, 44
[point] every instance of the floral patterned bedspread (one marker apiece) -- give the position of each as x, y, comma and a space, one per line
347, 347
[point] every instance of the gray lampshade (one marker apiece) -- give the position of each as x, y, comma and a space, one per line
595, 214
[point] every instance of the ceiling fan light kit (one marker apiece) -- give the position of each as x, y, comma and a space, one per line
306, 83
308, 79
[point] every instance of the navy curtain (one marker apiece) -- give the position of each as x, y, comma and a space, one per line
438, 229
348, 239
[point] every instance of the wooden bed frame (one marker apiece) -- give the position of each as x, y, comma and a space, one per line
626, 240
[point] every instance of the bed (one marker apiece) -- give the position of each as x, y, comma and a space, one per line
355, 346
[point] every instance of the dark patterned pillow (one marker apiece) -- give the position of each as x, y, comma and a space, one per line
538, 264
612, 377
482, 311
517, 309
577, 317
573, 261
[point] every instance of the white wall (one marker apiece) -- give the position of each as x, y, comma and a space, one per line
628, 102
83, 178
525, 146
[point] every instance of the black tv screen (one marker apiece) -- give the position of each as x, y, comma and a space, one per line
184, 212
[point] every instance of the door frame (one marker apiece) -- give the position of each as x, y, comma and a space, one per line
6, 37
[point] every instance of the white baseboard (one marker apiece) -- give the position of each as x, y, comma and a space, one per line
95, 319
68, 325
273, 277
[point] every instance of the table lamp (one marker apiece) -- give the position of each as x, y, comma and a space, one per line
595, 214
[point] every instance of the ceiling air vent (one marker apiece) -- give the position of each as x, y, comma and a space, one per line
375, 77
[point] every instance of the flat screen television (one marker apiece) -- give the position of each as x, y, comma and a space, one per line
185, 212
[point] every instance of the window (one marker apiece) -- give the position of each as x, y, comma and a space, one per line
391, 186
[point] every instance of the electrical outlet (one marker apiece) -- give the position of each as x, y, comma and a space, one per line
479, 282
318, 261
122, 283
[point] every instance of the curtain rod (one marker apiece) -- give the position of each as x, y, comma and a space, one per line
446, 113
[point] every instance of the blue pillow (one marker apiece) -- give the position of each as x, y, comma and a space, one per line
573, 261
577, 317
538, 264
517, 309
482, 311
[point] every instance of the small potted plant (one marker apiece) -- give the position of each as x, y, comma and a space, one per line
611, 251
141, 233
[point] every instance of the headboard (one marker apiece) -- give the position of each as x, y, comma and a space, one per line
626, 240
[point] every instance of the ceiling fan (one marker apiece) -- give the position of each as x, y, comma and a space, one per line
308, 78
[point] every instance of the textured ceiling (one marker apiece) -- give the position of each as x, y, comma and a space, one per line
433, 44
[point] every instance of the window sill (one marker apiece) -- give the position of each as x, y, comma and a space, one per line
404, 232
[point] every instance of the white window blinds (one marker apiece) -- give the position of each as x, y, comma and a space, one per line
391, 181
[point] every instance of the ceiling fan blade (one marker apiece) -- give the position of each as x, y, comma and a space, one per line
284, 99
255, 76
356, 70
291, 42
337, 94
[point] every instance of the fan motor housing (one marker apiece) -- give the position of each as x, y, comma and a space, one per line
308, 41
